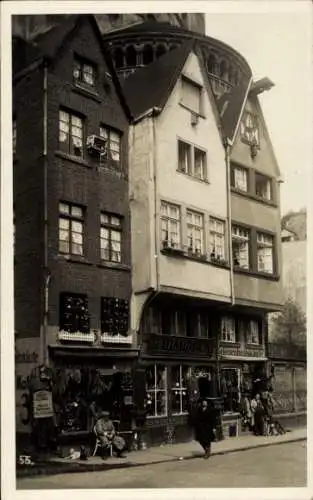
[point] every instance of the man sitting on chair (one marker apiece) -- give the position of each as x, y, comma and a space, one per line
107, 435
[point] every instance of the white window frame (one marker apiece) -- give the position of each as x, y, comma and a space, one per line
240, 176
71, 127
217, 238
84, 70
73, 224
187, 163
241, 236
253, 332
267, 192
113, 144
180, 389
197, 243
111, 233
170, 221
265, 244
155, 390
228, 329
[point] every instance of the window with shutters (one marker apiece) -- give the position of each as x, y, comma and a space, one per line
241, 247
265, 247
191, 95
114, 316
73, 312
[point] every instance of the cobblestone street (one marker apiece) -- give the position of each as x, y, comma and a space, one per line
276, 466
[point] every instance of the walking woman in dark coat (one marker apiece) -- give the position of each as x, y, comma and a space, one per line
205, 423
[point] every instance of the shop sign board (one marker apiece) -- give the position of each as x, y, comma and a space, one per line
168, 344
42, 404
243, 352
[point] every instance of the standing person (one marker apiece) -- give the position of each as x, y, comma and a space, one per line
257, 409
246, 412
205, 423
106, 433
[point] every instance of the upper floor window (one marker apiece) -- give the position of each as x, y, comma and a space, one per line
217, 239
113, 147
179, 378
71, 225
265, 247
198, 324
156, 390
70, 133
239, 178
263, 186
228, 329
74, 316
192, 160
195, 232
114, 316
111, 237
84, 72
191, 95
249, 129
170, 225
14, 135
253, 335
240, 244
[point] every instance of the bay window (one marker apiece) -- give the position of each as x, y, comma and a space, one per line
179, 395
156, 391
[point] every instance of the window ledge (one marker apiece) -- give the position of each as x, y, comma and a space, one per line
114, 265
197, 113
254, 197
229, 342
74, 259
72, 158
85, 91
203, 181
182, 254
271, 277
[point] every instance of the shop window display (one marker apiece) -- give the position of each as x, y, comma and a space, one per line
156, 391
230, 384
179, 394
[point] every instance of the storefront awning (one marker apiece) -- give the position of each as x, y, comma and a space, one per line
92, 354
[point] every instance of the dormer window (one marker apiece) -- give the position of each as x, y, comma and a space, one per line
84, 72
191, 95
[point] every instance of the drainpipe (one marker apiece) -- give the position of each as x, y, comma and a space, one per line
156, 206
46, 271
229, 218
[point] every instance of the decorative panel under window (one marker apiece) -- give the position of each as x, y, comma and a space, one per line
74, 315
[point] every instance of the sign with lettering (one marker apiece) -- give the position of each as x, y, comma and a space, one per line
168, 344
26, 358
241, 352
42, 404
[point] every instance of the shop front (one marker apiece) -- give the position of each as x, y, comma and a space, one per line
89, 381
241, 372
177, 371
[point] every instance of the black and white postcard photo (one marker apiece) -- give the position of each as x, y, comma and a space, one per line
155, 180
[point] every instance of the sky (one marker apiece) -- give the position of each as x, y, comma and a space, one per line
278, 45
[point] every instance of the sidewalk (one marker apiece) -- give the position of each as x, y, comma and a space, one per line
158, 454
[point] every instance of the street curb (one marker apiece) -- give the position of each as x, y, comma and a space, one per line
78, 467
